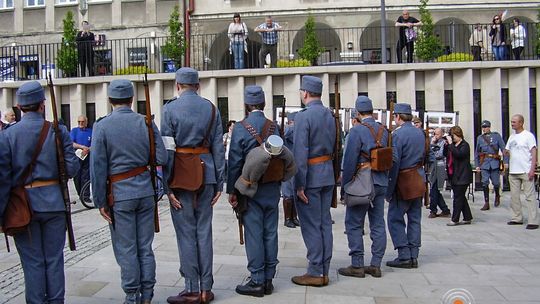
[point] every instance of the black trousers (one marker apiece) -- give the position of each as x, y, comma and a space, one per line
86, 61
82, 177
476, 52
517, 52
410, 51
461, 205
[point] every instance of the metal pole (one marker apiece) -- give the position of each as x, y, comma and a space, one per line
383, 32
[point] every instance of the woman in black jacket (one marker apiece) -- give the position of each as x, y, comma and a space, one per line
498, 38
458, 153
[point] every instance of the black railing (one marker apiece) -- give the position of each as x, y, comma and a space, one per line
358, 45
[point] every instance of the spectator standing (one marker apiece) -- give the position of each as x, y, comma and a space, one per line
498, 38
85, 49
238, 34
476, 41
269, 33
517, 35
417, 122
287, 187
82, 139
10, 118
437, 176
227, 142
521, 147
407, 35
460, 175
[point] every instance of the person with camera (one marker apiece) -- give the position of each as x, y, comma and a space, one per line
458, 154
238, 34
437, 176
85, 49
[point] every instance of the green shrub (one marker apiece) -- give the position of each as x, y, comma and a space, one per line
455, 57
67, 54
132, 70
293, 63
175, 46
310, 50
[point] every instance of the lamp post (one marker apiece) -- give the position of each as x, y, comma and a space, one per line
383, 32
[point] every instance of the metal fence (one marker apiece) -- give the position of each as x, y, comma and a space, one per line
358, 45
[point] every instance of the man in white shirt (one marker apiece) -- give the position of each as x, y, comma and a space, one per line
521, 147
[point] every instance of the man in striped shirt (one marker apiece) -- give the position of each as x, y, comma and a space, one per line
269, 33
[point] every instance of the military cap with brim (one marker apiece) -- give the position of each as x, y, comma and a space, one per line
363, 104
402, 108
187, 75
30, 93
253, 95
311, 84
486, 124
120, 89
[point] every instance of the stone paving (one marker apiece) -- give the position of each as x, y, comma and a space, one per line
495, 262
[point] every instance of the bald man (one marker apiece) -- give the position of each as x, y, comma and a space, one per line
82, 138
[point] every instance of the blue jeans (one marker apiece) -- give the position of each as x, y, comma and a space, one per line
132, 240
42, 257
316, 227
354, 226
260, 227
193, 227
238, 53
405, 236
499, 52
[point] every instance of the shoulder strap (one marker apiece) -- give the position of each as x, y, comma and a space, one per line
268, 129
377, 137
209, 128
42, 136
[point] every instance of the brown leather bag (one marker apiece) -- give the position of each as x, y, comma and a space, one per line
188, 171
380, 157
410, 184
18, 212
276, 168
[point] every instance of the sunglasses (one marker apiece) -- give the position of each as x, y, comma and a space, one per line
81, 121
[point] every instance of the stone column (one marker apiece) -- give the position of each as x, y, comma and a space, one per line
49, 16
101, 99
490, 84
405, 85
266, 83
377, 89
434, 90
77, 102
116, 12
463, 103
156, 99
518, 82
6, 99
348, 89
291, 89
18, 17
235, 88
208, 89
151, 12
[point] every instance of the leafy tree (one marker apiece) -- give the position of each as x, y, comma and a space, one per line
311, 49
175, 45
428, 46
67, 55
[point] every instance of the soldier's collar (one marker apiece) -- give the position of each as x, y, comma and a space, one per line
314, 102
32, 116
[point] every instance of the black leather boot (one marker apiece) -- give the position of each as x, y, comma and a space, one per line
486, 199
497, 197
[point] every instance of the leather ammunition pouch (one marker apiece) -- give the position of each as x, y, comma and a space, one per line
410, 184
380, 157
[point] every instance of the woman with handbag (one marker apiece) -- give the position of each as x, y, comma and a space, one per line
458, 153
238, 34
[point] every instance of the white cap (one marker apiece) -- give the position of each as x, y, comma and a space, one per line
273, 145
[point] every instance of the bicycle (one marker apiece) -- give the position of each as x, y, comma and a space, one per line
89, 202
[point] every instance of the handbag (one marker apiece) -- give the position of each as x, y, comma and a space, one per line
18, 212
410, 34
360, 190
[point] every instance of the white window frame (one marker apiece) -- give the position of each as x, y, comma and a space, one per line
3, 4
67, 1
36, 3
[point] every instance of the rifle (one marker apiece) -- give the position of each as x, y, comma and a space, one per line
426, 166
62, 174
152, 159
239, 210
337, 144
282, 130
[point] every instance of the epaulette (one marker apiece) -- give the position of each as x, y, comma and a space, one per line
396, 129
303, 109
173, 99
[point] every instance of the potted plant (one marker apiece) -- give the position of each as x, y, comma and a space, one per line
67, 54
310, 50
174, 46
428, 46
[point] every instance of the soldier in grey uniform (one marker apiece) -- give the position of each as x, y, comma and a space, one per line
314, 139
408, 149
120, 155
359, 145
41, 247
287, 187
262, 215
487, 159
189, 127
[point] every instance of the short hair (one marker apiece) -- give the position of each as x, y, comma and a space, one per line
404, 117
516, 20
313, 95
31, 108
366, 113
416, 119
457, 131
520, 117
259, 106
120, 101
230, 123
193, 87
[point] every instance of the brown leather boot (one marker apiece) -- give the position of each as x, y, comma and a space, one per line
308, 280
486, 199
207, 296
287, 205
485, 207
497, 197
185, 298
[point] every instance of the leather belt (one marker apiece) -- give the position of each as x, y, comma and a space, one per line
196, 150
125, 175
363, 165
319, 159
496, 156
40, 183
